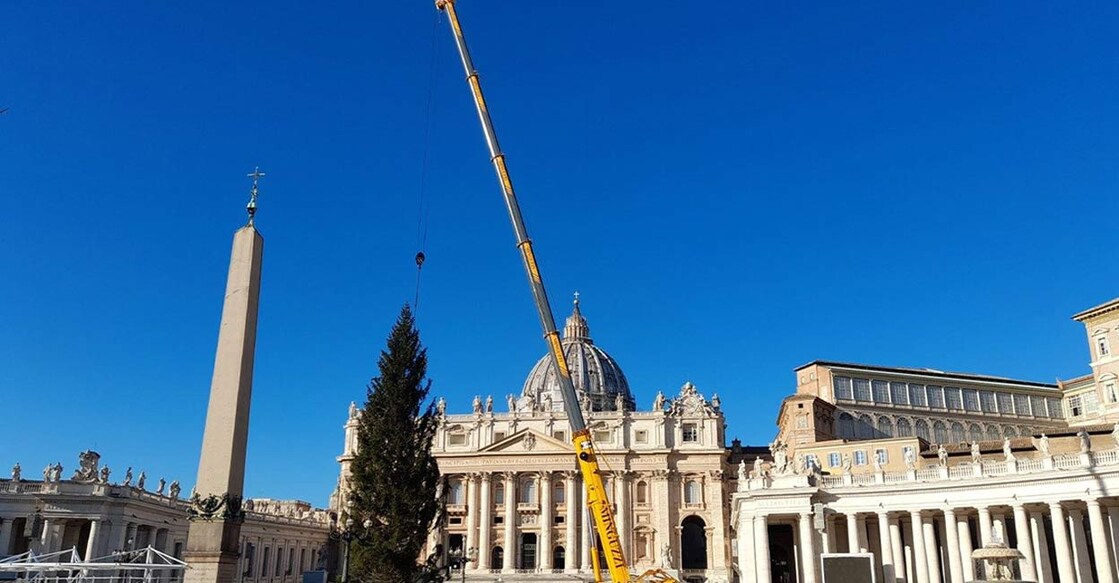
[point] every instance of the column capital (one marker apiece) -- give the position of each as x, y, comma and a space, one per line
486, 477
949, 510
1092, 502
570, 474
508, 476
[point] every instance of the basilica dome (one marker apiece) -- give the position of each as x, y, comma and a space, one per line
594, 373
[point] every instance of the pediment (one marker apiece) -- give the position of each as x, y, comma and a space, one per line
528, 441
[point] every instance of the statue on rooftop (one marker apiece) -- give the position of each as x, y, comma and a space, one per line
976, 455
140, 481
847, 463
658, 402
127, 477
175, 489
512, 403
47, 473
942, 454
1043, 445
1085, 440
716, 402
105, 471
666, 556
441, 407
159, 487
742, 471
353, 409
489, 404
1115, 433
1009, 455
16, 473
758, 467
619, 403
910, 458
56, 473
477, 405
547, 402
877, 465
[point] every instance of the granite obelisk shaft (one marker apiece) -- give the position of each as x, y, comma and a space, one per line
216, 516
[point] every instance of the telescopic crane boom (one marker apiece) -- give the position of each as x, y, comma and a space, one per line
597, 501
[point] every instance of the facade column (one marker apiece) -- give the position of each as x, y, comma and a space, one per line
1043, 568
920, 555
510, 546
1112, 521
747, 552
931, 551
94, 532
1025, 543
886, 547
1065, 569
829, 534
130, 536
5, 536
984, 526
807, 548
761, 543
1102, 555
864, 536
1080, 545
571, 516
544, 554
621, 511
952, 547
963, 528
896, 550
587, 537
852, 532
471, 512
485, 522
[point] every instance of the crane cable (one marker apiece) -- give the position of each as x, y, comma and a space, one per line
423, 211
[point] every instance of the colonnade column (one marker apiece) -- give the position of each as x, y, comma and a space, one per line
509, 550
952, 547
1061, 543
761, 544
1099, 542
807, 548
887, 548
931, 552
471, 512
852, 532
984, 525
485, 512
91, 546
621, 505
896, 550
1080, 544
963, 529
571, 510
920, 557
5, 535
1025, 543
545, 546
1043, 569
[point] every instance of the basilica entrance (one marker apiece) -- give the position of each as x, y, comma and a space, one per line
693, 543
528, 551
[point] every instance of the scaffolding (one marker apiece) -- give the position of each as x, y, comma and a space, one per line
146, 565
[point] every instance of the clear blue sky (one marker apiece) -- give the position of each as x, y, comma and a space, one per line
735, 187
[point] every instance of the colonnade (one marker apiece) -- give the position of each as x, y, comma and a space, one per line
1063, 541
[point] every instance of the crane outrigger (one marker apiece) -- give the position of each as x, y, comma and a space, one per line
597, 502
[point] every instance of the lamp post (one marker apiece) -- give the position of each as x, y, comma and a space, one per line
456, 559
348, 535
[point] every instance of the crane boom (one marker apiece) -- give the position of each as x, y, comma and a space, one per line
597, 501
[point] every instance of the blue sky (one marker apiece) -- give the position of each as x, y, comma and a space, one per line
735, 188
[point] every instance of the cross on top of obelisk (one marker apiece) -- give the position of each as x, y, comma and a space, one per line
256, 175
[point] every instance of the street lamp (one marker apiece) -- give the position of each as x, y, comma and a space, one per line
348, 535
456, 559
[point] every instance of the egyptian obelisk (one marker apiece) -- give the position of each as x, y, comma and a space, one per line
215, 512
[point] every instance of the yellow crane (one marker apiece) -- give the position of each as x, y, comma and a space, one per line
597, 502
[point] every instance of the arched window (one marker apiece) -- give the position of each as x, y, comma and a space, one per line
993, 433
864, 429
642, 492
528, 491
558, 558
499, 493
693, 543
975, 432
940, 432
1008, 431
923, 430
846, 426
558, 493
456, 495
885, 427
958, 433
693, 494
905, 428
497, 558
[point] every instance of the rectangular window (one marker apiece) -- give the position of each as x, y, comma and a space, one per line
457, 439
279, 561
691, 433
987, 401
881, 391
1021, 404
833, 460
1091, 402
1037, 404
641, 436
605, 436
862, 390
1006, 403
560, 435
842, 387
455, 520
952, 399
898, 394
559, 519
498, 435
971, 400
264, 562
882, 456
917, 395
1102, 346
1109, 390
936, 396
1055, 411
1075, 406
860, 457
812, 461
498, 519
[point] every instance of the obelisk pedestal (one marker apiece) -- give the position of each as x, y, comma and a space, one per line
212, 548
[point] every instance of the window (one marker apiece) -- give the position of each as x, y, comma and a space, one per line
279, 561
860, 457
882, 456
881, 391
865, 427
528, 491
456, 495
898, 394
641, 436
1037, 405
936, 396
1075, 406
264, 562
971, 400
693, 494
1009, 431
992, 433
833, 460
642, 493
558, 519
1091, 402
1021, 404
917, 395
846, 428
691, 433
559, 494
1102, 347
940, 432
498, 435
987, 401
560, 435
498, 519
905, 428
885, 427
1006, 403
812, 461
975, 432
958, 434
842, 388
1054, 405
952, 399
862, 390
922, 428
457, 439
604, 436
1109, 390
455, 520
499, 493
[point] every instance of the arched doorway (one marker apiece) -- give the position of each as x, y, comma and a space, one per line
693, 543
497, 558
559, 559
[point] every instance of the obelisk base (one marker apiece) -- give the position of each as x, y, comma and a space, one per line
213, 551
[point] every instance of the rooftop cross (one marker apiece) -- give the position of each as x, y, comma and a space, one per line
256, 175
576, 298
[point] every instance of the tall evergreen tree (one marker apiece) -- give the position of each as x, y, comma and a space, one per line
395, 477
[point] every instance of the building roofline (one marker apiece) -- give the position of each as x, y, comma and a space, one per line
927, 372
1097, 310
